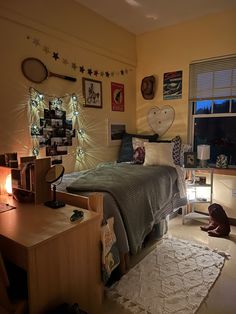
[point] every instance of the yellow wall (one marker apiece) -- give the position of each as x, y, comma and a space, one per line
80, 36
172, 49
85, 38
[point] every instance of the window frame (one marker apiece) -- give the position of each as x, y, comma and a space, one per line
193, 116
198, 92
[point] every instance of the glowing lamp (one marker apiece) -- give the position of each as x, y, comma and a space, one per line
8, 184
203, 154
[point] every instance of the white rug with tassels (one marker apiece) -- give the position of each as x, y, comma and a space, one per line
175, 277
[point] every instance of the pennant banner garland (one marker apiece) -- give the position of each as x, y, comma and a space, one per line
77, 67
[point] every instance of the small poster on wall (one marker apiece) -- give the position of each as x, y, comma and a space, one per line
117, 97
115, 132
172, 85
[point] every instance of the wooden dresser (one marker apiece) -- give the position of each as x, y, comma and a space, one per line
61, 258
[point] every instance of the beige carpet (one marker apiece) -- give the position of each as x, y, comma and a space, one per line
174, 278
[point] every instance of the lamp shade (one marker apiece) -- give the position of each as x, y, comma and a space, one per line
203, 152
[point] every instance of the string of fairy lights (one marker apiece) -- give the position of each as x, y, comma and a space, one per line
70, 104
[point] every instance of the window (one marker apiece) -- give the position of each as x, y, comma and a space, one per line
212, 97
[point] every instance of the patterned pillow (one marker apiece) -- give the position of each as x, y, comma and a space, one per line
176, 149
126, 148
139, 150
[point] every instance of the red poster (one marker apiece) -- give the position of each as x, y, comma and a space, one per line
117, 97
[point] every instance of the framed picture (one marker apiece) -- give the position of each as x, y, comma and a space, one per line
92, 91
117, 97
115, 132
190, 160
172, 85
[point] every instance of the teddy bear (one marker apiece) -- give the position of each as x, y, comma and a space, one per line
218, 225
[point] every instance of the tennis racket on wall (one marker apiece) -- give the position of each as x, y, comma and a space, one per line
35, 71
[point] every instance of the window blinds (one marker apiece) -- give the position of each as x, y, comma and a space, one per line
213, 79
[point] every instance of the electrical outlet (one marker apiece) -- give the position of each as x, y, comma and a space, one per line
234, 192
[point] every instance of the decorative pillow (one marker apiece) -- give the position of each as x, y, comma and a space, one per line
126, 148
176, 148
158, 154
110, 253
139, 150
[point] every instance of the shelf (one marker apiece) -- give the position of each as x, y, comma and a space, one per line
198, 201
198, 192
194, 215
225, 171
205, 185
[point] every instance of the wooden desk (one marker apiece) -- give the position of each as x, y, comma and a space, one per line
62, 259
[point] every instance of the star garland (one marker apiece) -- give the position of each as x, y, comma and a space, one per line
80, 68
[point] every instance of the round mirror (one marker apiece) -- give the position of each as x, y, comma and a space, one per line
54, 173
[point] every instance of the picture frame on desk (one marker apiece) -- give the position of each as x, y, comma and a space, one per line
190, 160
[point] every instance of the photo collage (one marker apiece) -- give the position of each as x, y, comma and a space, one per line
55, 133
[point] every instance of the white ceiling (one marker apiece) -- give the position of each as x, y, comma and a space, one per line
140, 16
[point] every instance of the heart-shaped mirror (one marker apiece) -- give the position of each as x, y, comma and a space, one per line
161, 119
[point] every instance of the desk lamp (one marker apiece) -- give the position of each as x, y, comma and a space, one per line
203, 154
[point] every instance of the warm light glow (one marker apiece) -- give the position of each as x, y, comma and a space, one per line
203, 152
199, 193
74, 97
8, 184
35, 151
81, 133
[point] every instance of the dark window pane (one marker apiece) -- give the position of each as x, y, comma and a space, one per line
203, 107
221, 106
233, 108
219, 133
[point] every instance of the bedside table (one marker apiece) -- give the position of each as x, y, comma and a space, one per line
199, 190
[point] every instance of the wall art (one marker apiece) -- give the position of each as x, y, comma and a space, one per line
117, 97
172, 85
92, 91
161, 119
115, 132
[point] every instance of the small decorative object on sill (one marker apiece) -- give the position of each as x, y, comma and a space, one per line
222, 161
190, 160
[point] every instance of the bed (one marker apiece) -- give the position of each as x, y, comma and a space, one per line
138, 197
140, 189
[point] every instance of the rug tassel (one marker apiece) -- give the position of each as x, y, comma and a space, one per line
222, 253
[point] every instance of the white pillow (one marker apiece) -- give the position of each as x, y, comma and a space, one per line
158, 154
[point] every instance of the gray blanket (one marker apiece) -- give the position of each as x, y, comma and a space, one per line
140, 192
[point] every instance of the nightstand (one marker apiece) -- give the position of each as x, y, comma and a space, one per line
199, 187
